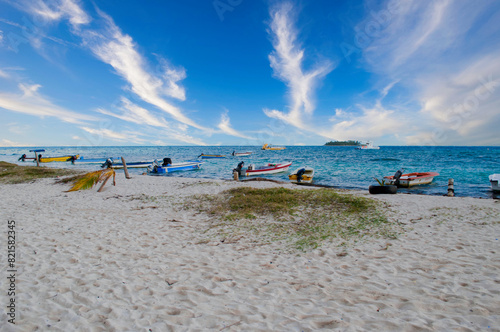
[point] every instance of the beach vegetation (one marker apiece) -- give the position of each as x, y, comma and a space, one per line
380, 182
304, 218
89, 180
12, 173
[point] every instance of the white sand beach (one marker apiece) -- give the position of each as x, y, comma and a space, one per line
123, 260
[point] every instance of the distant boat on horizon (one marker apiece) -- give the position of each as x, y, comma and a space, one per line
367, 146
270, 147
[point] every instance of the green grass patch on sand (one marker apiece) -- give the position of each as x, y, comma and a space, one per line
12, 173
304, 218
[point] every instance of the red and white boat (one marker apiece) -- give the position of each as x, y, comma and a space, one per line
413, 179
267, 169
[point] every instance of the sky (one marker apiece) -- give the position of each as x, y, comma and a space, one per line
248, 72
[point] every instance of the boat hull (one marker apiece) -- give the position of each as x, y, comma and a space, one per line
414, 179
270, 169
185, 166
208, 156
495, 182
61, 158
307, 177
242, 154
93, 160
139, 164
272, 148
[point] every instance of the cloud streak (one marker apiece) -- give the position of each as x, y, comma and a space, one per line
225, 126
440, 56
287, 62
120, 51
31, 102
109, 44
136, 114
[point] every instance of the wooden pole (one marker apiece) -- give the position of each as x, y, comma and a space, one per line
451, 190
102, 185
235, 175
37, 161
125, 169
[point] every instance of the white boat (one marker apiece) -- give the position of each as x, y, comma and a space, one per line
302, 175
412, 179
367, 146
494, 180
156, 169
241, 154
251, 170
137, 164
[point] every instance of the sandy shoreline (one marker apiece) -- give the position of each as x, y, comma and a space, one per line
119, 260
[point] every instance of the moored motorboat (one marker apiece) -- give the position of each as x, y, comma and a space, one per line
494, 181
271, 147
367, 146
411, 179
169, 167
60, 158
270, 168
110, 163
241, 154
212, 156
26, 158
302, 175
83, 160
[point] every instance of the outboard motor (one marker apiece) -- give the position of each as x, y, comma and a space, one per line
239, 169
107, 164
23, 158
167, 161
397, 175
72, 159
300, 173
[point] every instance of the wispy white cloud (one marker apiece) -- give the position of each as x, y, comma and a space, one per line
3, 74
131, 112
56, 10
372, 122
428, 49
125, 136
30, 101
136, 114
367, 123
17, 25
112, 46
8, 143
120, 51
225, 126
287, 62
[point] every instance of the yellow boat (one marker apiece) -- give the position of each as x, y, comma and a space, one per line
268, 147
61, 158
302, 174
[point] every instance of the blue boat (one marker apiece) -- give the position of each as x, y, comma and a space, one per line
83, 160
211, 156
137, 164
155, 169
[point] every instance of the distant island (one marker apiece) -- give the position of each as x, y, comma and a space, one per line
343, 143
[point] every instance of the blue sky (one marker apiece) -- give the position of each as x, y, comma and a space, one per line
242, 72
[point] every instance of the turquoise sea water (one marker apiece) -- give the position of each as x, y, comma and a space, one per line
344, 167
